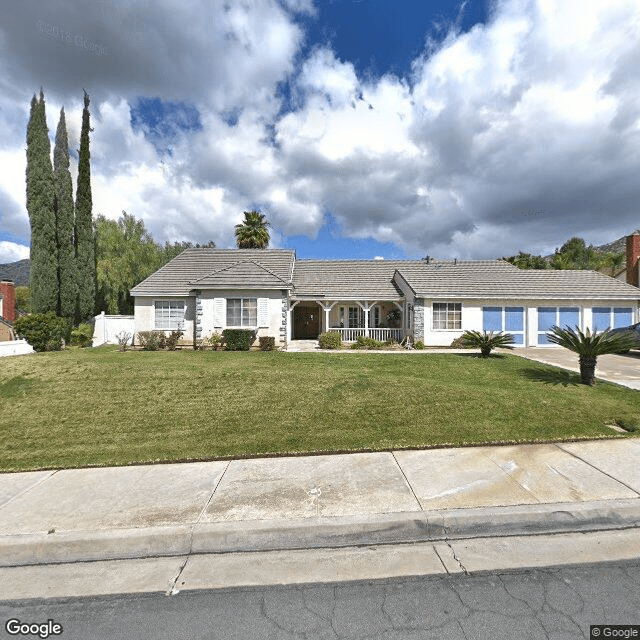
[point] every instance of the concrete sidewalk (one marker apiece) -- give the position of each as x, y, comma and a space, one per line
316, 502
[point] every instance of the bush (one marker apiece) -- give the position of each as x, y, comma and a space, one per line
82, 335
171, 341
267, 343
43, 331
419, 345
459, 343
367, 343
330, 340
124, 338
152, 340
238, 339
215, 340
486, 342
628, 425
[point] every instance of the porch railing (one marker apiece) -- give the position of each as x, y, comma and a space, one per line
351, 334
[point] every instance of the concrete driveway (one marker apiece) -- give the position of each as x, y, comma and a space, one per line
621, 369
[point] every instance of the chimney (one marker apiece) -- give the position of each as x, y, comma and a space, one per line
9, 300
633, 258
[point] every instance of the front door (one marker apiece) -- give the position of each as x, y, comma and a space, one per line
306, 322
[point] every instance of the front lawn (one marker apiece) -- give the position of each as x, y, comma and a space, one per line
102, 407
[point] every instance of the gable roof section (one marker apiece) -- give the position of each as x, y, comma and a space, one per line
496, 279
176, 278
346, 279
246, 274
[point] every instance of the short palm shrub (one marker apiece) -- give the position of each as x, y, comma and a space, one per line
486, 342
589, 345
330, 340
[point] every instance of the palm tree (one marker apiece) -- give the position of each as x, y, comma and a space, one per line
589, 345
486, 341
253, 233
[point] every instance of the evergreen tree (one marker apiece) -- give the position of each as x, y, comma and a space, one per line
40, 206
84, 238
63, 207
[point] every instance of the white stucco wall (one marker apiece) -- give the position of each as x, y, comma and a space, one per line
274, 320
471, 318
107, 328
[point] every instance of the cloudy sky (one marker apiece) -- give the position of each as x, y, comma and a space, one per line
361, 128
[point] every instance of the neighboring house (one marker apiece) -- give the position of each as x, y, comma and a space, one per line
275, 294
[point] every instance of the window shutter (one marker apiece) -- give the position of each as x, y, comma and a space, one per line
219, 311
263, 312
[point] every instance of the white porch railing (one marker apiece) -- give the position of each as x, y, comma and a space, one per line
351, 334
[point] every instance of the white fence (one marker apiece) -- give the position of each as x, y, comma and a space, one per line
107, 328
15, 348
351, 334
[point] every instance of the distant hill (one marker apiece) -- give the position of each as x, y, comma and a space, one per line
18, 272
617, 246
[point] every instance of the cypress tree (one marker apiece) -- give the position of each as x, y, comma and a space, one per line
40, 202
84, 240
63, 208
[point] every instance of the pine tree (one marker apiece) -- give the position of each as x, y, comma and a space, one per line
63, 207
40, 203
84, 235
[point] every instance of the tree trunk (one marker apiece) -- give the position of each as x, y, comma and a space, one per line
588, 371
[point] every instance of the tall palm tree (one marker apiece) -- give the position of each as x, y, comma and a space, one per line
589, 345
253, 233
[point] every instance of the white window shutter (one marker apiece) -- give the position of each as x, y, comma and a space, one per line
263, 312
219, 312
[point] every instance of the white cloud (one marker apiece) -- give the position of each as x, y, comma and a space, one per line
515, 135
12, 252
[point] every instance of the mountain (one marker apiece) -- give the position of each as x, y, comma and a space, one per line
18, 272
617, 246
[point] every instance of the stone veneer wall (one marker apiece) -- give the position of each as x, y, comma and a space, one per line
198, 317
418, 319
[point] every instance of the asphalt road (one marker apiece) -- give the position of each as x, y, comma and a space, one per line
552, 603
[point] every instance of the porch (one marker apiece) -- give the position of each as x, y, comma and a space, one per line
379, 319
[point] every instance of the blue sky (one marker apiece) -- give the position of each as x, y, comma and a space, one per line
361, 128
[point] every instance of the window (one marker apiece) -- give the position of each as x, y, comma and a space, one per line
242, 312
169, 314
559, 316
507, 319
611, 318
447, 316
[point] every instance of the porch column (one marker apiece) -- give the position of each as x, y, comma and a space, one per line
366, 307
326, 307
290, 323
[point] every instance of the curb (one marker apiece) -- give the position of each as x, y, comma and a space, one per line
315, 533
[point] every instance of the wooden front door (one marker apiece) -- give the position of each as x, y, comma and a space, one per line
306, 322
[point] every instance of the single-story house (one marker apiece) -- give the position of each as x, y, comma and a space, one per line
274, 293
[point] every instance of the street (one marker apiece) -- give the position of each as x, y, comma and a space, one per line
550, 603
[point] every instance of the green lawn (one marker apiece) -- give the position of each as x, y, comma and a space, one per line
102, 407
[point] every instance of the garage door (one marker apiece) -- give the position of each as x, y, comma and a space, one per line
559, 316
611, 317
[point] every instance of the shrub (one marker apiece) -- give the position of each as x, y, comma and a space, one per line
124, 338
459, 343
152, 340
419, 345
43, 331
215, 340
82, 335
267, 343
628, 425
367, 343
486, 342
238, 339
171, 341
330, 340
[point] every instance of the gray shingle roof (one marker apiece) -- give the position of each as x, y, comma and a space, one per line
499, 279
346, 279
220, 268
